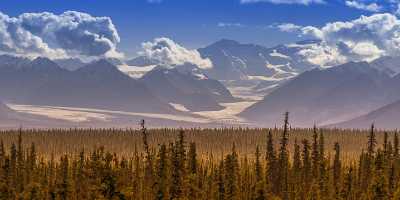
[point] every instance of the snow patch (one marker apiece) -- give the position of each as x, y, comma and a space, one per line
263, 78
179, 107
277, 54
60, 113
135, 71
229, 113
69, 113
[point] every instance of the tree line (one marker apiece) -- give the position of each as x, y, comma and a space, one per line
175, 170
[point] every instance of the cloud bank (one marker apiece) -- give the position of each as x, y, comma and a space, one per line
69, 34
362, 39
167, 52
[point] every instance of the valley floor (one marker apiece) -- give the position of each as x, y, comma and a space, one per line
78, 116
87, 115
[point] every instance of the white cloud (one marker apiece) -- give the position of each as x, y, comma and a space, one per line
397, 11
288, 27
227, 25
68, 34
302, 2
372, 7
362, 39
167, 52
322, 55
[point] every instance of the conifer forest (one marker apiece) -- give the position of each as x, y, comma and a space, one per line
234, 163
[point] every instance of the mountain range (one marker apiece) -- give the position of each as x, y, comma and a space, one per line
102, 85
353, 94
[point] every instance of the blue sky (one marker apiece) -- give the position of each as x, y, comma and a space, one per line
196, 23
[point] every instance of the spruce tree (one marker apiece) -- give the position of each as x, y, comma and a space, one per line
371, 141
306, 171
337, 167
192, 170
6, 191
396, 144
176, 185
161, 173
221, 180
315, 154
385, 144
63, 187
296, 171
259, 186
378, 190
347, 188
231, 175
323, 178
284, 160
149, 171
271, 166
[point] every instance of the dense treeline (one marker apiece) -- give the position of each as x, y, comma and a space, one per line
175, 170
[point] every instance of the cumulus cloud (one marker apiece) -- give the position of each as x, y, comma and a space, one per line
372, 7
68, 34
362, 39
302, 2
166, 51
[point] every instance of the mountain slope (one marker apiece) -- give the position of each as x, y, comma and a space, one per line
5, 111
99, 85
71, 64
19, 81
181, 86
385, 117
387, 64
324, 96
96, 85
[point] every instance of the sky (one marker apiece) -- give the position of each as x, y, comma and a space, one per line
191, 23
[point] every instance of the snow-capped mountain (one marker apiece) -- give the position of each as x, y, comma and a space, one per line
141, 61
248, 70
235, 61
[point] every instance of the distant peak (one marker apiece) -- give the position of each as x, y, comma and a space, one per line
102, 62
100, 65
310, 41
226, 42
44, 62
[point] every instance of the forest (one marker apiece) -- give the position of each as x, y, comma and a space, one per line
222, 164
